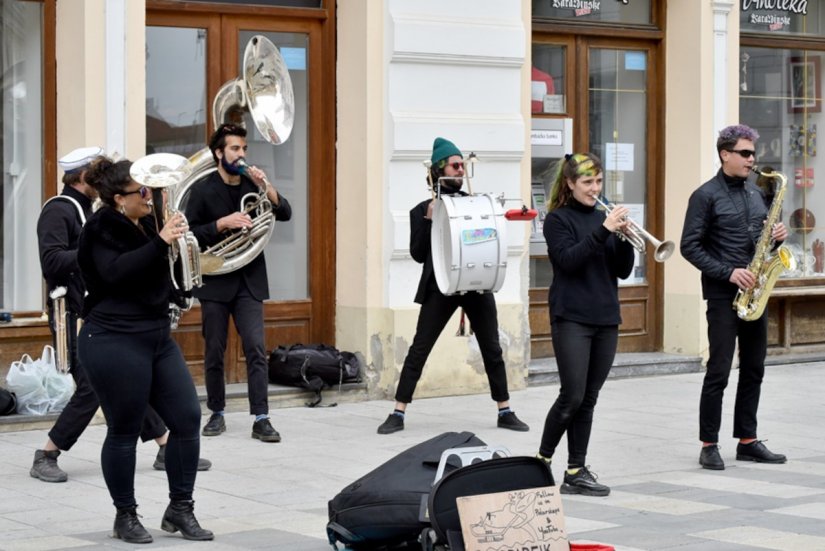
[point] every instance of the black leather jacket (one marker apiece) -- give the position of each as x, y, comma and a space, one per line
723, 222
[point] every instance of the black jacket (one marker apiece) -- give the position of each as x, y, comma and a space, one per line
58, 233
126, 271
723, 222
588, 259
420, 247
209, 200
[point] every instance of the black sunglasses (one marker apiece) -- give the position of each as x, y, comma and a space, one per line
144, 192
746, 153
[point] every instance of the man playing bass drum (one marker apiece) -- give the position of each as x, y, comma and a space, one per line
213, 210
724, 220
436, 308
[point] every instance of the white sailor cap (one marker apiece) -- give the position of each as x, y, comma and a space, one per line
79, 158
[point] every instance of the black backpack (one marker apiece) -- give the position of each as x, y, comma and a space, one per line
8, 402
384, 508
313, 367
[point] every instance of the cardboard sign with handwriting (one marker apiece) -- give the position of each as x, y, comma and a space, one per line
520, 519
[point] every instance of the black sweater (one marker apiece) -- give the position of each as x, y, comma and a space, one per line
126, 271
587, 261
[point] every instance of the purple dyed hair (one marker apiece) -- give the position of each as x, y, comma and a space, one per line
728, 136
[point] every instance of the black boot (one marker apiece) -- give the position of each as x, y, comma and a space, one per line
128, 528
180, 515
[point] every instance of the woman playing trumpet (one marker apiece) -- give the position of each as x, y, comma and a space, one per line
587, 257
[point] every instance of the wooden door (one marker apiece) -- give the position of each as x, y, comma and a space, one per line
301, 255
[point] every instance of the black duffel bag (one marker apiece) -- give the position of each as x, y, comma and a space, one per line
383, 509
313, 367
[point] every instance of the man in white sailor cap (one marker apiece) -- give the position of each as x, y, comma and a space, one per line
58, 232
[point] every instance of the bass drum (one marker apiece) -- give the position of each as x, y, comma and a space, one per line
468, 244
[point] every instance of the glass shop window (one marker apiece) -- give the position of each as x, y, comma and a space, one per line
780, 95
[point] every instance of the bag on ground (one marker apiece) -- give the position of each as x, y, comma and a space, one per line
59, 386
313, 367
25, 379
8, 402
39, 386
384, 508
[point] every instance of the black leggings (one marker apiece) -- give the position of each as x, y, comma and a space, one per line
584, 355
129, 371
83, 404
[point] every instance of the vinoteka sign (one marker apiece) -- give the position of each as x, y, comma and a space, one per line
792, 6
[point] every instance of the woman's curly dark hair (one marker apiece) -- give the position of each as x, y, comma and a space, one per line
109, 178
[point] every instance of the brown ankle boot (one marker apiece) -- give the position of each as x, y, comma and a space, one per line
180, 515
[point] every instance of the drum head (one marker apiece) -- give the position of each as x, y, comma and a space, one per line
468, 244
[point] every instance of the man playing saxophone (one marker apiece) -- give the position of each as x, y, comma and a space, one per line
723, 224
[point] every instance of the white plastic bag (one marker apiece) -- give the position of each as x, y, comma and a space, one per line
25, 379
59, 386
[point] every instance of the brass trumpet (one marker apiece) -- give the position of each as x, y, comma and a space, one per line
638, 236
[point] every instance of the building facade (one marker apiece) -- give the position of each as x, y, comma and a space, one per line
645, 84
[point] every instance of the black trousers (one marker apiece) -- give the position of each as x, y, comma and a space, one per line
724, 327
150, 369
83, 404
584, 355
248, 314
433, 317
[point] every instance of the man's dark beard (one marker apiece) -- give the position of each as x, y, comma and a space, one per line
450, 185
231, 168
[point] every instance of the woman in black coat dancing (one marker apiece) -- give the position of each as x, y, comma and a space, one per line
127, 350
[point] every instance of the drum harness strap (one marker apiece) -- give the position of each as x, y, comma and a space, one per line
461, 329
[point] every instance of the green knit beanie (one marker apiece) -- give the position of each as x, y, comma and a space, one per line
444, 149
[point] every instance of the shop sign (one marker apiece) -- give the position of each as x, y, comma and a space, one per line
773, 21
582, 7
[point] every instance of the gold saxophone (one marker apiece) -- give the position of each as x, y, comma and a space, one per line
767, 265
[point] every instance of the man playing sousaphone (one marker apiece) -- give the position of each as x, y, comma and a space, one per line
437, 308
213, 212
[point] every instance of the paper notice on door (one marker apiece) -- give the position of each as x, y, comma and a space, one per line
618, 156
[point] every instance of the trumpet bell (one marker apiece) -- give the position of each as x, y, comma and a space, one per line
160, 170
663, 251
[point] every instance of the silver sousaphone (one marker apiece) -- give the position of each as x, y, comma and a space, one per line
165, 171
264, 89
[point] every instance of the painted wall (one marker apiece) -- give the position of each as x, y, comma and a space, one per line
429, 69
81, 76
692, 95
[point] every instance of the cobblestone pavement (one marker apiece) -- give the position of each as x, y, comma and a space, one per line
644, 445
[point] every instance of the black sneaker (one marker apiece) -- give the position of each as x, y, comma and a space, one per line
394, 423
583, 483
709, 458
160, 461
759, 452
510, 421
45, 467
214, 426
262, 430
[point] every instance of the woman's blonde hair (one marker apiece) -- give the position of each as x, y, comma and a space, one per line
571, 167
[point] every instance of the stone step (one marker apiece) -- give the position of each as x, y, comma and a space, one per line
544, 371
280, 396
